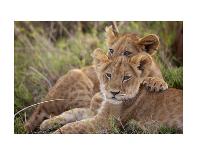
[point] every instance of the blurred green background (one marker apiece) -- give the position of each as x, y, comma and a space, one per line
44, 51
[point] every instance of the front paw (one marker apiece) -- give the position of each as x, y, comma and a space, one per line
49, 124
155, 84
46, 125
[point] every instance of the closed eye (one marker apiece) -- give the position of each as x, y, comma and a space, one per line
126, 78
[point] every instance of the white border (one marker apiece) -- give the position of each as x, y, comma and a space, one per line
96, 10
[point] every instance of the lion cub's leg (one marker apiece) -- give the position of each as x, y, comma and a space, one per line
155, 81
74, 89
100, 123
83, 126
96, 124
155, 84
72, 115
96, 102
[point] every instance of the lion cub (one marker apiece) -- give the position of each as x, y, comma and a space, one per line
124, 98
78, 86
129, 45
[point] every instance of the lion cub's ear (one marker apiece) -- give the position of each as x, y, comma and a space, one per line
111, 35
142, 62
99, 57
149, 43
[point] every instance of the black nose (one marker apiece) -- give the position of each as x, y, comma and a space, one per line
114, 93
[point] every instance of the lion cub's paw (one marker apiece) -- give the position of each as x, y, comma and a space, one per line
45, 125
155, 84
49, 124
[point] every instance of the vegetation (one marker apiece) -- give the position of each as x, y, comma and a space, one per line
133, 127
44, 51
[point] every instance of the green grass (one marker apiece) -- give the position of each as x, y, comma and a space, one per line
174, 77
19, 126
44, 51
133, 127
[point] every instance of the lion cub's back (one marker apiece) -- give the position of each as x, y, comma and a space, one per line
165, 107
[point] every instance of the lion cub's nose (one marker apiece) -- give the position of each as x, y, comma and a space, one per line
114, 93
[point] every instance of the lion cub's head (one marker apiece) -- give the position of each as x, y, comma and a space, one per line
129, 44
120, 77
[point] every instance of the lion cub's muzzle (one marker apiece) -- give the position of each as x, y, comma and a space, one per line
116, 95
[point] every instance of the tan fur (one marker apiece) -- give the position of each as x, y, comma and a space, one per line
77, 87
132, 43
132, 101
72, 115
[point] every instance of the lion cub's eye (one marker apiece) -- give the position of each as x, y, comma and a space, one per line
125, 78
127, 53
108, 75
111, 50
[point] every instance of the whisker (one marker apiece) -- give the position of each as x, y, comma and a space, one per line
122, 94
36, 104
